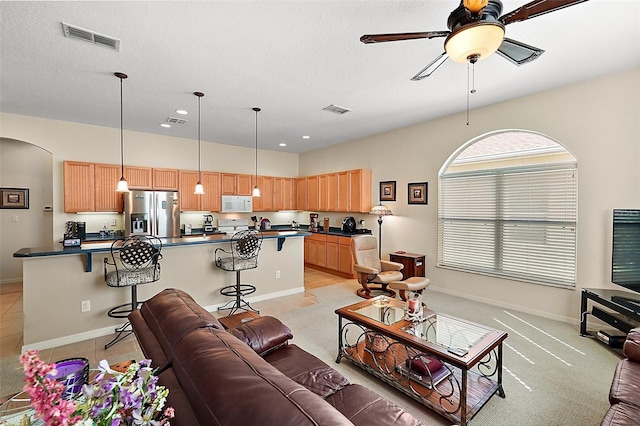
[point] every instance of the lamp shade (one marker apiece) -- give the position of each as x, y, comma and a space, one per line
122, 185
381, 210
199, 189
477, 40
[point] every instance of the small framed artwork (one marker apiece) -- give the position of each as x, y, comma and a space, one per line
418, 193
14, 198
388, 190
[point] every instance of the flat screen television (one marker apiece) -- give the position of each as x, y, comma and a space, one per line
625, 251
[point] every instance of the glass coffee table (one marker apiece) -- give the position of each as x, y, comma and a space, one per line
451, 365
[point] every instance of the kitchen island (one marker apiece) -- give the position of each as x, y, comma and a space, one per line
57, 280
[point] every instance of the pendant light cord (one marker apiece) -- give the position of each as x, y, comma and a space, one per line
121, 132
198, 136
256, 109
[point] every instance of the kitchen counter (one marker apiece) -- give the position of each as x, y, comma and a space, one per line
104, 245
57, 281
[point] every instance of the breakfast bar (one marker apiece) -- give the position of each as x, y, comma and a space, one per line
53, 314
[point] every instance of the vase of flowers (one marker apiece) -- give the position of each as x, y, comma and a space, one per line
110, 398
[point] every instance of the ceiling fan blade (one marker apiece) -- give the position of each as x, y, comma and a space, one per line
518, 52
379, 38
430, 69
536, 8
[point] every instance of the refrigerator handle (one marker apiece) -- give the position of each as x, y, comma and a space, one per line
152, 214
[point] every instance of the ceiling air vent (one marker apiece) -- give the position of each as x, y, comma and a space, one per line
336, 109
176, 120
90, 36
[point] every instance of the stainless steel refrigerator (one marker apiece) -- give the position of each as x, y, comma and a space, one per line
152, 213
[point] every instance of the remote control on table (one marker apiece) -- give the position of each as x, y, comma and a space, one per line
458, 351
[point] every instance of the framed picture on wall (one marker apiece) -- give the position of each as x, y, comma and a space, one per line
418, 193
14, 198
388, 190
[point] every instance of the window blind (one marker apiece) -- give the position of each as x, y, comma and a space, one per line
517, 222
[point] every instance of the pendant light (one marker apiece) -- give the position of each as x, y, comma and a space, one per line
256, 190
123, 186
199, 189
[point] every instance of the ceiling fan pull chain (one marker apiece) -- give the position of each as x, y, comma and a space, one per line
467, 93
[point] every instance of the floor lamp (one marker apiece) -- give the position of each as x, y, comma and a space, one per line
380, 210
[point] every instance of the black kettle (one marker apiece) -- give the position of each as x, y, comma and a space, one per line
349, 224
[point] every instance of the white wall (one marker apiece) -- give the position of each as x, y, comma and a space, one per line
23, 165
597, 120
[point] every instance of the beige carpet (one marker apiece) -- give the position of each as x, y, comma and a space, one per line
551, 375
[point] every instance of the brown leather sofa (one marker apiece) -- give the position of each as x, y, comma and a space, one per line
247, 375
624, 394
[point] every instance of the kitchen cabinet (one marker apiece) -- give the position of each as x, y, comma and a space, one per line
236, 184
79, 186
209, 201
329, 253
166, 179
301, 194
106, 180
342, 191
359, 182
264, 202
313, 193
139, 177
283, 193
187, 184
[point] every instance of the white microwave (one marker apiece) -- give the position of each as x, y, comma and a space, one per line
237, 204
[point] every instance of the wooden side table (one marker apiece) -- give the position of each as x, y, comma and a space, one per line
232, 321
414, 264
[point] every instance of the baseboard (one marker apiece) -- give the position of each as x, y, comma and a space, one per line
493, 302
74, 338
11, 280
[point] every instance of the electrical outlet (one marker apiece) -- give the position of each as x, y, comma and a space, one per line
14, 218
277, 274
86, 305
113, 222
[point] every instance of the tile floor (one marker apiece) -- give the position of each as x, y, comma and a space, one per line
93, 349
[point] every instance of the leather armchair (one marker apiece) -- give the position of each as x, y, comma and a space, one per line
373, 273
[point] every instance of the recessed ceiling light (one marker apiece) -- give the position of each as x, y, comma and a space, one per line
165, 125
181, 111
306, 137
282, 144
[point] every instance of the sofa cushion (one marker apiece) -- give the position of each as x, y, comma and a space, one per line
263, 334
625, 386
631, 348
229, 384
184, 415
307, 370
147, 340
620, 415
365, 407
171, 314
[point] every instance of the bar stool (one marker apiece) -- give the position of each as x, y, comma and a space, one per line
135, 261
242, 255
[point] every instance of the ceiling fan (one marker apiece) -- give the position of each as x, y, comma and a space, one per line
476, 30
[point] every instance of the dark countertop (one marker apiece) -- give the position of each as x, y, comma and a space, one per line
104, 245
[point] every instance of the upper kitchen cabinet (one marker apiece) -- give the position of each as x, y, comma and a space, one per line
139, 177
106, 180
264, 202
284, 194
359, 190
342, 191
187, 184
209, 201
79, 187
236, 184
301, 194
166, 179
313, 193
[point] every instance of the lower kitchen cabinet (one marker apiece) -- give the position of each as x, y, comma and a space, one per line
329, 253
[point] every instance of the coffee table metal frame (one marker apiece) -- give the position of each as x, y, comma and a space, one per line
379, 346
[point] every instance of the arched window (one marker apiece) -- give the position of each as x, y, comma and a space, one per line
507, 207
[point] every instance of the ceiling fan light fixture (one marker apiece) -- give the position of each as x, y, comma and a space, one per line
478, 40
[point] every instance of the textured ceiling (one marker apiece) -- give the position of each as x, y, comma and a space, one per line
291, 58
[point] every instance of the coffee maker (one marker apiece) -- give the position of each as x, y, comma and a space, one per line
208, 223
313, 221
